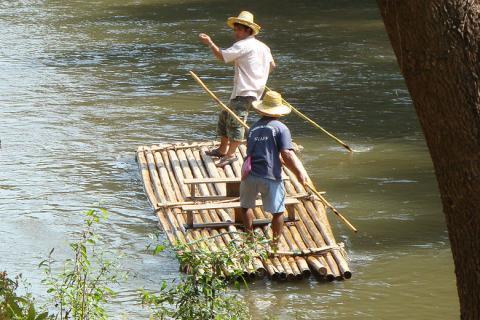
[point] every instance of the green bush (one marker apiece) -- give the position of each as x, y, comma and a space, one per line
205, 291
14, 306
83, 287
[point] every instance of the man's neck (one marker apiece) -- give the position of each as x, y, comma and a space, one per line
251, 36
267, 118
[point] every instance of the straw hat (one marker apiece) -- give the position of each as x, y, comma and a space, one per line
271, 105
245, 18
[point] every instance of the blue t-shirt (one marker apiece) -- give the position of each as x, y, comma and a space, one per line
266, 138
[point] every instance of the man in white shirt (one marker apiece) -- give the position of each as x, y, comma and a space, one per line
253, 63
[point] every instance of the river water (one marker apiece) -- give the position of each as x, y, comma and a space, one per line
84, 83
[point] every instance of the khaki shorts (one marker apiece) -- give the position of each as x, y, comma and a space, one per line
227, 125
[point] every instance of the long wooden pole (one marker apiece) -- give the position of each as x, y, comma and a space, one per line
224, 107
311, 187
313, 123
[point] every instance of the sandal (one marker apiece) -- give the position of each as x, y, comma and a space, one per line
214, 153
226, 161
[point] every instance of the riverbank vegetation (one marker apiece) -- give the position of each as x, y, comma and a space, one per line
80, 287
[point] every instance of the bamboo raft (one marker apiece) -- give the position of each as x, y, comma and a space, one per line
192, 198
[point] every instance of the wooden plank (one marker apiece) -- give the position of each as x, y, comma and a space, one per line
219, 180
225, 224
211, 180
230, 205
213, 198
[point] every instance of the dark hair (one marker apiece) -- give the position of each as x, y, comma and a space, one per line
244, 27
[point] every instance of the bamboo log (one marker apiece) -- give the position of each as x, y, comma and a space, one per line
313, 123
282, 274
214, 217
155, 181
173, 218
325, 230
176, 146
233, 171
142, 163
208, 190
212, 171
174, 194
185, 193
160, 193
313, 239
292, 236
256, 269
322, 227
164, 171
316, 264
187, 170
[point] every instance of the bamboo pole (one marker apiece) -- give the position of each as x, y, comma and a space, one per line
324, 266
213, 172
165, 171
307, 230
196, 168
224, 107
281, 272
176, 146
290, 274
142, 163
175, 195
323, 227
313, 123
190, 168
294, 240
322, 199
172, 215
185, 193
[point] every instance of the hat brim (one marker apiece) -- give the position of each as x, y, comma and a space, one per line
255, 27
276, 112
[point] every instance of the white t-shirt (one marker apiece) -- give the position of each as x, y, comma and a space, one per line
252, 64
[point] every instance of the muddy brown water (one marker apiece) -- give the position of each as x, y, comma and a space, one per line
83, 83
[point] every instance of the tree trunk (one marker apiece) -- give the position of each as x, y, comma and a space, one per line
437, 44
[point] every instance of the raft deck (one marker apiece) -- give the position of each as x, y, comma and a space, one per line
192, 198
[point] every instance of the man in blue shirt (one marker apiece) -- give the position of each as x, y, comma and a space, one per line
269, 144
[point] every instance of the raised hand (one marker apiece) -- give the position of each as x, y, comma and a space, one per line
205, 38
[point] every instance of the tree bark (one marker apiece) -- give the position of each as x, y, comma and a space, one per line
437, 45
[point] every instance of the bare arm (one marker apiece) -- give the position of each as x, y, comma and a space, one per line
272, 66
215, 49
289, 160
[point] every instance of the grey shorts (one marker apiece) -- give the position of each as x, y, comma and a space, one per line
227, 125
272, 192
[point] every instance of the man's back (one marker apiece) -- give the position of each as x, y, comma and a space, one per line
266, 139
252, 66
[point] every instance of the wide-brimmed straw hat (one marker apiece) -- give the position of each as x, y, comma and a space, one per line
245, 18
271, 105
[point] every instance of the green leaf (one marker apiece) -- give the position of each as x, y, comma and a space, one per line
31, 312
42, 316
159, 248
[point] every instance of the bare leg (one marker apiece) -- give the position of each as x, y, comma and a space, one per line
248, 219
277, 228
233, 147
223, 147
